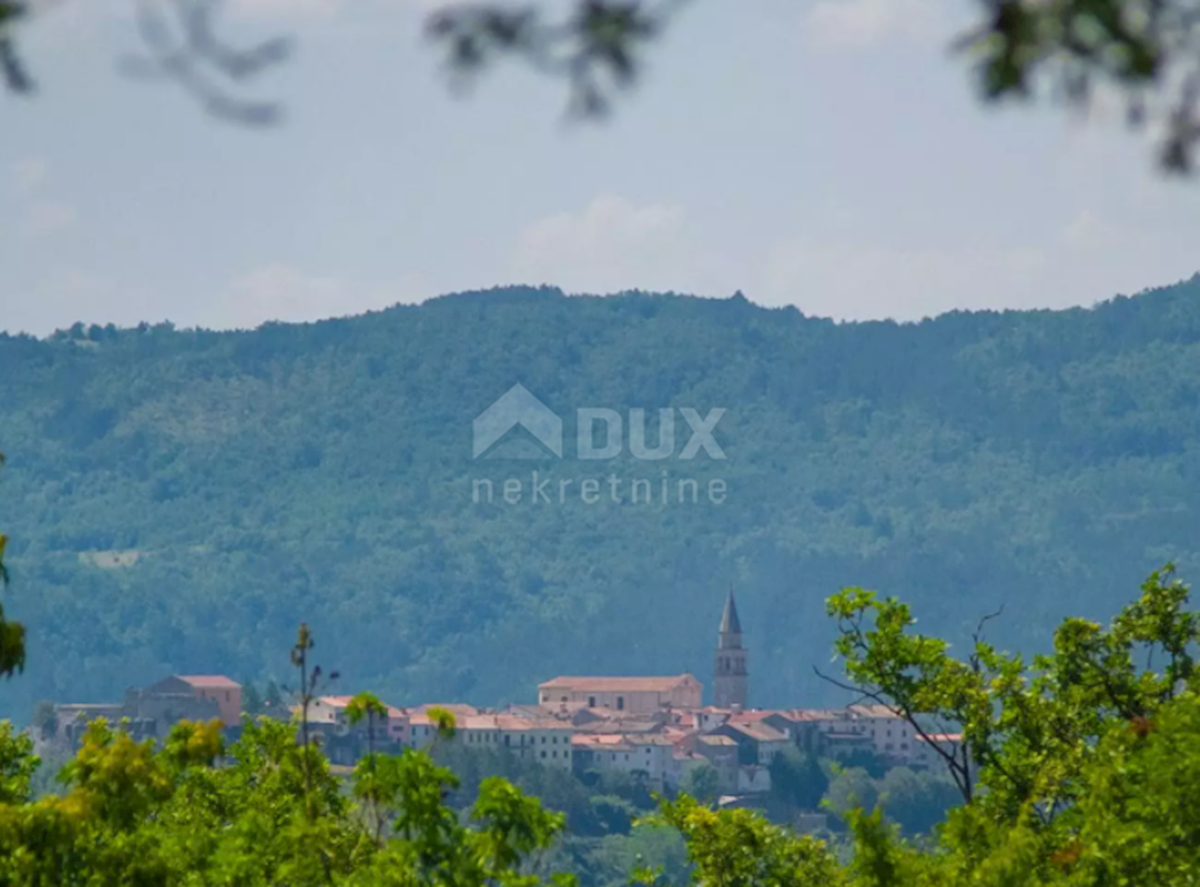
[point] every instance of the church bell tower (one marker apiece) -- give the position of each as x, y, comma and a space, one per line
730, 677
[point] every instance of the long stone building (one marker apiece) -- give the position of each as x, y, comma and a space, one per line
639, 695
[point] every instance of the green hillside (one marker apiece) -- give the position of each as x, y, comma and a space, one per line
178, 500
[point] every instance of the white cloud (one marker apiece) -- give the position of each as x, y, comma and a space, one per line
325, 9
30, 174
851, 280
859, 24
1087, 259
48, 216
281, 292
39, 213
1088, 232
64, 295
286, 8
609, 246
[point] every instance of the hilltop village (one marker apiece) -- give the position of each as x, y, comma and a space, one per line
654, 729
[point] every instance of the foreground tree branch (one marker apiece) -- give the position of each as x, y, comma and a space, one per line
12, 634
1144, 54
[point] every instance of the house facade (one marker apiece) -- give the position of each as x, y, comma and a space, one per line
544, 740
329, 715
227, 694
757, 743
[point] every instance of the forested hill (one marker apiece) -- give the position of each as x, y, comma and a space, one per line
178, 500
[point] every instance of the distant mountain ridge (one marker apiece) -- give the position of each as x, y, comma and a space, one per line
178, 500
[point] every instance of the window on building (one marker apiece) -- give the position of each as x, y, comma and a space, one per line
620, 703
564, 699
543, 754
591, 702
543, 740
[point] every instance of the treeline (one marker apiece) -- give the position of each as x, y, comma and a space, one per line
603, 810
173, 497
1077, 769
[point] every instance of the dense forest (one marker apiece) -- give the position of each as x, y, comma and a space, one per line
177, 500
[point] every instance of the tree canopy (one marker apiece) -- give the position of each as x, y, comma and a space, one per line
175, 497
1112, 801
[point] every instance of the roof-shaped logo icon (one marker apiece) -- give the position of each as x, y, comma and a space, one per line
517, 408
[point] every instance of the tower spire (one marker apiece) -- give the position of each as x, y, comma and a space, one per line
730, 675
730, 624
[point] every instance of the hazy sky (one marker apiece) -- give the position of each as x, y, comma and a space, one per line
824, 153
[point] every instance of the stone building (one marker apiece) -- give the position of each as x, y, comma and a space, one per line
636, 695
730, 674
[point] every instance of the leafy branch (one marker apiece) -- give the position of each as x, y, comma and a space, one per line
12, 634
597, 49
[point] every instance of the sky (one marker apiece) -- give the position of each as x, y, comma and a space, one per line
828, 154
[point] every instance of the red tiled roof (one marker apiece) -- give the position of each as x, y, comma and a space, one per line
597, 739
942, 737
759, 732
872, 711
623, 725
710, 739
477, 722
343, 701
618, 685
510, 723
209, 681
608, 743
649, 739
458, 709
812, 714
755, 714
